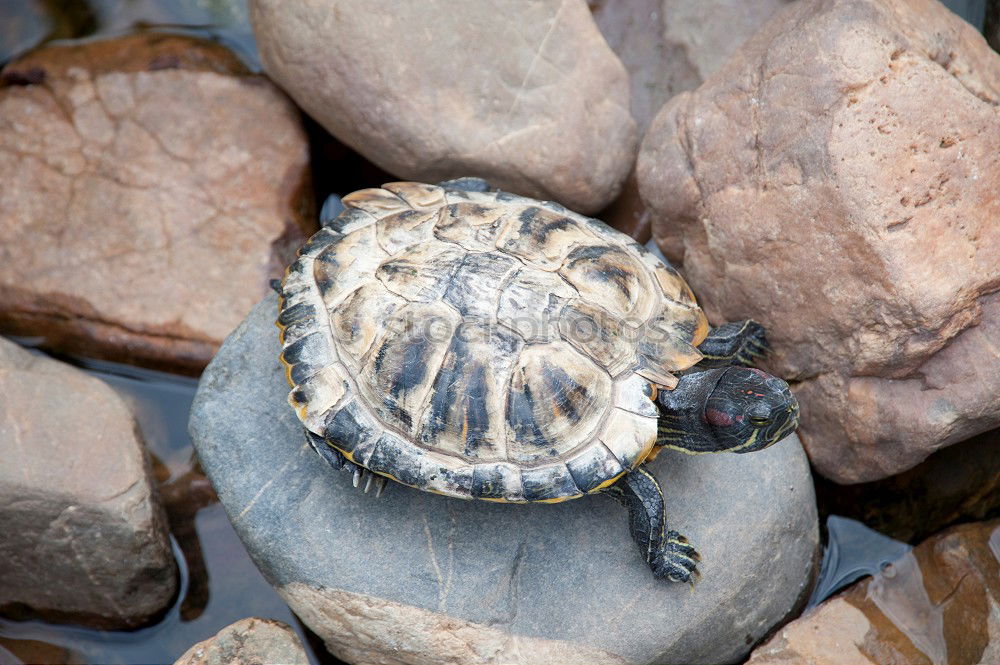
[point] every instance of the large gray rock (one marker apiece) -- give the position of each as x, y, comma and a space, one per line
414, 577
525, 94
82, 537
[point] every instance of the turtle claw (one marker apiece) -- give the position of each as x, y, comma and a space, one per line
677, 561
369, 479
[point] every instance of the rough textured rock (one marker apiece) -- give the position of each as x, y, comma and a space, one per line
84, 539
247, 642
960, 483
527, 95
413, 577
814, 184
938, 604
151, 190
668, 46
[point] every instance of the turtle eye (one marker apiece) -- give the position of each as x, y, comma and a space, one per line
759, 421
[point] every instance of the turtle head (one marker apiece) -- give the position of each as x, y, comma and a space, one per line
729, 409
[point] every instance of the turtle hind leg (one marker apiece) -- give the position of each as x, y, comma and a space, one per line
667, 553
734, 343
336, 459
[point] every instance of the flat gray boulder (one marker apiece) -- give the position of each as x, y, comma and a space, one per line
413, 577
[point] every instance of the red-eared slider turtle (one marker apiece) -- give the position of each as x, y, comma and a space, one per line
487, 346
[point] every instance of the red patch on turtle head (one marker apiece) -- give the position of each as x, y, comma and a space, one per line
719, 418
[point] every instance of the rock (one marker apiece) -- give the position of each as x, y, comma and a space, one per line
248, 641
84, 539
874, 270
959, 483
152, 189
527, 95
414, 577
938, 604
669, 46
16, 652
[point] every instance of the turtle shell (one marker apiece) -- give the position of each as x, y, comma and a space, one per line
483, 345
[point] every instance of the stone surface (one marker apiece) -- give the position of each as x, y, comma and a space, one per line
959, 483
938, 604
248, 642
527, 95
84, 539
151, 190
873, 269
413, 577
667, 47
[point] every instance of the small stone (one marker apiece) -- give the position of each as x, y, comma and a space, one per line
84, 539
413, 577
152, 188
814, 184
526, 95
248, 641
937, 604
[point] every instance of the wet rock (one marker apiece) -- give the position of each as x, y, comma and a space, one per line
152, 188
527, 95
874, 269
84, 539
959, 483
248, 641
938, 604
413, 577
16, 652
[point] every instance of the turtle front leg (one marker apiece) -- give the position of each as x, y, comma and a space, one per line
734, 343
336, 459
667, 553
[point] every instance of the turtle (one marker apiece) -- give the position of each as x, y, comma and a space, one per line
479, 344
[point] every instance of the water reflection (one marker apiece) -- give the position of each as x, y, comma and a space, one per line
853, 551
898, 592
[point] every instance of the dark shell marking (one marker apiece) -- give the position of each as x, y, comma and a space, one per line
434, 336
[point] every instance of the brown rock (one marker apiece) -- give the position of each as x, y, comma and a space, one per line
669, 46
83, 537
815, 184
938, 604
246, 642
151, 190
526, 95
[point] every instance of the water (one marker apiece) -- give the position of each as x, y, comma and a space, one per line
219, 582
25, 24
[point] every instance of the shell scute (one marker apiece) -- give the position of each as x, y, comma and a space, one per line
422, 273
